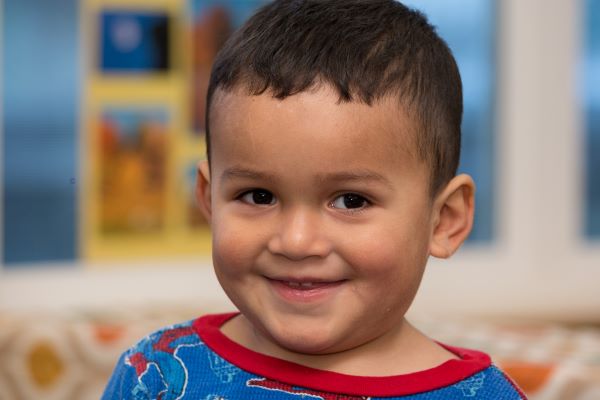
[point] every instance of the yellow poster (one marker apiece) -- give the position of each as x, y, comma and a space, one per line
138, 147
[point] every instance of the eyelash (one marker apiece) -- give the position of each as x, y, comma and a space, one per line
241, 196
351, 211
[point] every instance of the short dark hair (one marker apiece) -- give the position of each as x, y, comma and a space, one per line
365, 49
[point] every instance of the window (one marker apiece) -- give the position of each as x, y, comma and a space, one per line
40, 101
468, 28
591, 91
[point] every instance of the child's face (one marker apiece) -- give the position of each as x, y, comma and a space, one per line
321, 216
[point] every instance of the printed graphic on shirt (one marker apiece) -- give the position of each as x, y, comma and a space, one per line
268, 384
224, 370
158, 354
470, 386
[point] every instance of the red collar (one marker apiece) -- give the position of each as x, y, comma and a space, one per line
448, 373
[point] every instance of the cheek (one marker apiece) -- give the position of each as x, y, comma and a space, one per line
390, 261
386, 249
235, 246
229, 249
231, 261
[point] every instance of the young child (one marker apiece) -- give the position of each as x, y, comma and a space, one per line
333, 132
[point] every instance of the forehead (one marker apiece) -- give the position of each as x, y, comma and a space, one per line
313, 126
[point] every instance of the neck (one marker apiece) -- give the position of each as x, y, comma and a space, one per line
401, 350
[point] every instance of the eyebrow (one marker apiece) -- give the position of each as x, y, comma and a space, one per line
346, 176
358, 175
244, 173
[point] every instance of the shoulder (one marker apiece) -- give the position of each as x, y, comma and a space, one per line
492, 382
168, 339
165, 341
157, 360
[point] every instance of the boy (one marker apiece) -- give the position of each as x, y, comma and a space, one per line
333, 135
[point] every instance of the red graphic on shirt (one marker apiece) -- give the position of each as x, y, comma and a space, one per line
268, 384
166, 343
139, 362
169, 340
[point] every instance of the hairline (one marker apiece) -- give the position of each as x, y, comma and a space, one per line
417, 139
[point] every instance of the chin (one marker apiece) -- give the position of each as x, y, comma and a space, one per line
306, 341
306, 346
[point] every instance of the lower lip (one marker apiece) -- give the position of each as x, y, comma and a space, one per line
306, 295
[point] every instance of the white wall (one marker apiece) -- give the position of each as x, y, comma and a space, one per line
538, 268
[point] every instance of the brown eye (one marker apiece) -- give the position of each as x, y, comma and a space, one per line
350, 201
259, 197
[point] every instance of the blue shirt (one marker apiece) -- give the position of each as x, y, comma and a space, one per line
194, 360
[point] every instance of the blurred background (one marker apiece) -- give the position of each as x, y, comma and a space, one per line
102, 125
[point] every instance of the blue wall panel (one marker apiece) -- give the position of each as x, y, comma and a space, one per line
591, 89
40, 100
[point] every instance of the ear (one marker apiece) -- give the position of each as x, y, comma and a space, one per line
203, 195
453, 216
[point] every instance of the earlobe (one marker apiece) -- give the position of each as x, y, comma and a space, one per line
454, 209
203, 193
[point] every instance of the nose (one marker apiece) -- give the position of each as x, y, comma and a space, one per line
300, 235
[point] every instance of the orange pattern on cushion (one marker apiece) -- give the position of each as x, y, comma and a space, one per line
108, 333
530, 376
44, 364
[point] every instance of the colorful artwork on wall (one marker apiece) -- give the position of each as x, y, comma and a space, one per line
137, 200
133, 170
134, 41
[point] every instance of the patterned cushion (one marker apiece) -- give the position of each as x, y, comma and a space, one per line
71, 356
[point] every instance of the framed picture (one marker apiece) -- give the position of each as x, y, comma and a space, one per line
132, 173
134, 41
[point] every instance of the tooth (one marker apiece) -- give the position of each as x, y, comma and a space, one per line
306, 284
293, 284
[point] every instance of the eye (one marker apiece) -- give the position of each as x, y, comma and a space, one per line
350, 201
258, 197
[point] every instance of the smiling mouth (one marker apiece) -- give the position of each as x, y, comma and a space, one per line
307, 285
306, 291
